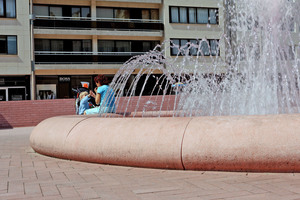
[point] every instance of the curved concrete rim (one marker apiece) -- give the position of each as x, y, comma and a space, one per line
269, 143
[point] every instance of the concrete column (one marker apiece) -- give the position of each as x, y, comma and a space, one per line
93, 10
95, 44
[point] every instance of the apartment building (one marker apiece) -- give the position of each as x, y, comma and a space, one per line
15, 53
60, 44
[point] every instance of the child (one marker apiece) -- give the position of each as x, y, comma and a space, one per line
84, 104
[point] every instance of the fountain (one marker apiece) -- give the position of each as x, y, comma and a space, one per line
242, 119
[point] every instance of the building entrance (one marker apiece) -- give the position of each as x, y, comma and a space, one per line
12, 93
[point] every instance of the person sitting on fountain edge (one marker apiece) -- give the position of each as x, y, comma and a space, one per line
104, 97
84, 102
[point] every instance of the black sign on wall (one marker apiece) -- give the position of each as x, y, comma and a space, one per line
64, 79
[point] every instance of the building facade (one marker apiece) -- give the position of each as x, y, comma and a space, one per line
15, 50
51, 47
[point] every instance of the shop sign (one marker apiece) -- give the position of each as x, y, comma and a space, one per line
64, 79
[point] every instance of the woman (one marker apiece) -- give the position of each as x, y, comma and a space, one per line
104, 97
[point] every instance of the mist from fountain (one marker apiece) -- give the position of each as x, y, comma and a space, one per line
262, 66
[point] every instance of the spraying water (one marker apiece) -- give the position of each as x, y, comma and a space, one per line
262, 67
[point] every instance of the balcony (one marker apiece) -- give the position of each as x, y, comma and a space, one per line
79, 23
60, 57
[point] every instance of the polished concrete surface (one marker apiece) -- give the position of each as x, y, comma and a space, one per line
265, 143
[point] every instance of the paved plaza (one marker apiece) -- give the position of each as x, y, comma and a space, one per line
25, 174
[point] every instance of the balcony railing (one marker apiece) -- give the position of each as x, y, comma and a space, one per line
56, 22
62, 57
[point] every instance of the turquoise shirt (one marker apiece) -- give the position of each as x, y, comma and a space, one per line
107, 96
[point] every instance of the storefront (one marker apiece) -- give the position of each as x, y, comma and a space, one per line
61, 87
14, 88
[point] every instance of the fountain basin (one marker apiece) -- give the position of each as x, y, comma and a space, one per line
264, 143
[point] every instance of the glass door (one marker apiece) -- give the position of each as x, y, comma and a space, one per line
3, 94
16, 94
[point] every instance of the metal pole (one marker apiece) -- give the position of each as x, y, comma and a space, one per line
32, 77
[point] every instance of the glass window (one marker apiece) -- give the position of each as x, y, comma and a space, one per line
3, 45
85, 12
56, 11
123, 46
86, 45
1, 8
11, 8
105, 13
122, 14
57, 45
154, 14
12, 45
192, 15
16, 94
145, 14
106, 46
8, 45
174, 47
214, 47
42, 45
193, 47
146, 46
202, 15
41, 10
76, 45
204, 47
183, 15
174, 15
213, 16
75, 12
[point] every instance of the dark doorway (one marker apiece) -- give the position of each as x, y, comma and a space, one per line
63, 90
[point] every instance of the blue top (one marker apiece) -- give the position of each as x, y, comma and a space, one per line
84, 104
107, 96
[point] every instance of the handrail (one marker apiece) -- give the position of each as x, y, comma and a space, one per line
85, 53
99, 19
100, 29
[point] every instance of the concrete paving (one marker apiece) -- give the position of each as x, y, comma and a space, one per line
25, 174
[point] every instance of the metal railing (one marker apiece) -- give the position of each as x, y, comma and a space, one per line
99, 19
84, 23
87, 53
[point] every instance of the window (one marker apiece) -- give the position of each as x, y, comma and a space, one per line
202, 15
174, 15
80, 12
154, 14
123, 46
213, 13
121, 14
8, 44
56, 11
8, 8
42, 45
61, 11
191, 46
105, 13
127, 13
183, 15
106, 46
41, 10
75, 12
85, 12
63, 45
193, 15
126, 46
145, 14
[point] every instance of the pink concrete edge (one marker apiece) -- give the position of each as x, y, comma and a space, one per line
228, 143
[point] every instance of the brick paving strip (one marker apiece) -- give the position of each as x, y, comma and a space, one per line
25, 174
